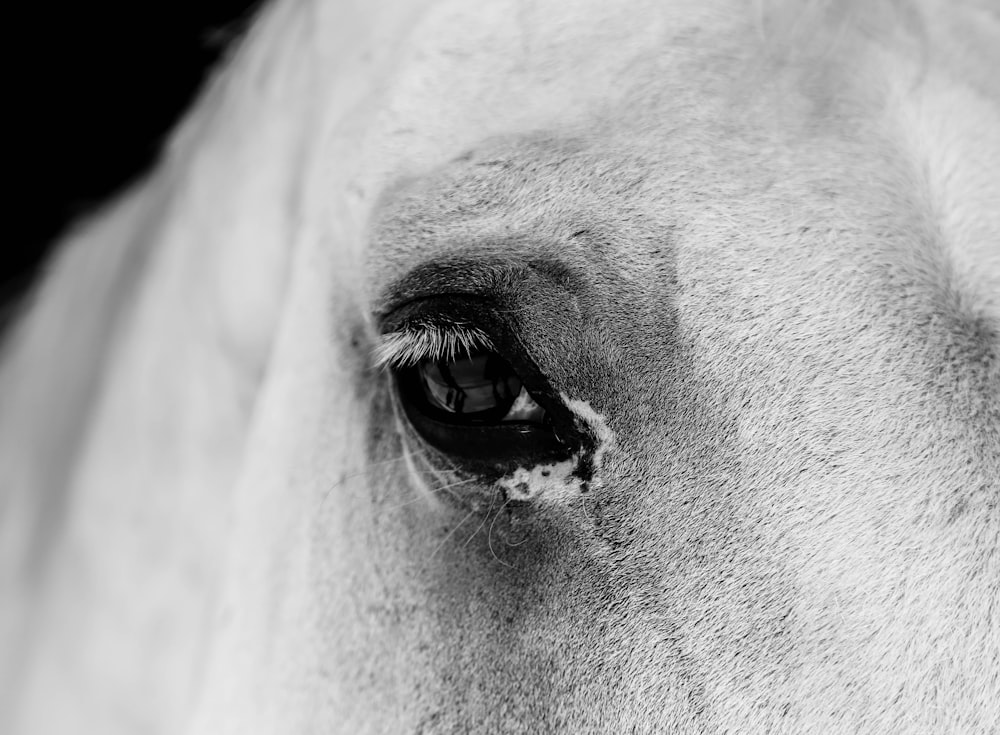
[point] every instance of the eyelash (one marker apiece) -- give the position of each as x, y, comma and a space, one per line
414, 344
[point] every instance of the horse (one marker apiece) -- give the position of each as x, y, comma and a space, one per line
523, 366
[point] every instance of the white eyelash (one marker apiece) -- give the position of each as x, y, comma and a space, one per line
413, 345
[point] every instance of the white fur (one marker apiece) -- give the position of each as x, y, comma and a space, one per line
551, 482
776, 312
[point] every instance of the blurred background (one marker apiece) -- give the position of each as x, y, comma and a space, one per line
96, 88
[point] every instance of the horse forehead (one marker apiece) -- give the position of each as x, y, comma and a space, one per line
674, 124
464, 75
609, 204
693, 146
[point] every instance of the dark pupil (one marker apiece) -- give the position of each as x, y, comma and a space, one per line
479, 387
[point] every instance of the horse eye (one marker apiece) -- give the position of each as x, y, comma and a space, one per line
477, 410
473, 390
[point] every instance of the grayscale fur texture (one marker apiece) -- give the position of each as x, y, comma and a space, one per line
752, 246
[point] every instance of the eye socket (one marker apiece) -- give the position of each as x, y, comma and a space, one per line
475, 389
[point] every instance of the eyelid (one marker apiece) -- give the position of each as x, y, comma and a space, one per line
463, 279
414, 343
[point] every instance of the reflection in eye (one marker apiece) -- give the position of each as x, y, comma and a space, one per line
479, 388
470, 385
463, 397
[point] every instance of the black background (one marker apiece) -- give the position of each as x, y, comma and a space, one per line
95, 89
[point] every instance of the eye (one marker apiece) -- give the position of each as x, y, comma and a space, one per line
475, 389
485, 407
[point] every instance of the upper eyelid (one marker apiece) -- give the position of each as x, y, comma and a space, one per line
412, 344
441, 310
456, 277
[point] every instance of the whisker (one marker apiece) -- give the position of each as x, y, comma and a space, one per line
411, 501
517, 544
583, 507
367, 470
451, 533
493, 499
489, 535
